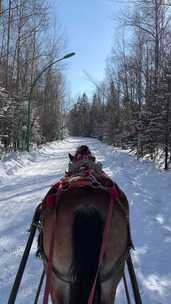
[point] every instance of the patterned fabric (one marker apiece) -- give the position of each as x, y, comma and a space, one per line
81, 173
84, 173
78, 168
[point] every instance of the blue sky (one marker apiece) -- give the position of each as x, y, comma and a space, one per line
89, 28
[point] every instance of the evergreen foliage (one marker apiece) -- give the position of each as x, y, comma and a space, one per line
135, 111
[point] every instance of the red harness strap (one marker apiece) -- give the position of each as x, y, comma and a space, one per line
51, 247
113, 195
50, 265
49, 202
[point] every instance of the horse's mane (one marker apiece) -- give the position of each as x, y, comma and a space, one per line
82, 152
83, 160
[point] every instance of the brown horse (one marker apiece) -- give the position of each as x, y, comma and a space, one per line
78, 219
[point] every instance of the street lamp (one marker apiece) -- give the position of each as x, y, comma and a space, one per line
30, 95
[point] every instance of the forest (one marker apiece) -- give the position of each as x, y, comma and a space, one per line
132, 107
129, 109
29, 41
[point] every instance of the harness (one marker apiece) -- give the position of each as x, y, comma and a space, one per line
86, 179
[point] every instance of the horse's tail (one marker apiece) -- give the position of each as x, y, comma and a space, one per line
87, 233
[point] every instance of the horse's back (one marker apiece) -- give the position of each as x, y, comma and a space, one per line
70, 201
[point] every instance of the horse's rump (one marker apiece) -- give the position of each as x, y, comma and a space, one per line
64, 215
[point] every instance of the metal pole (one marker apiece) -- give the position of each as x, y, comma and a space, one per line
126, 290
23, 262
39, 287
135, 287
30, 95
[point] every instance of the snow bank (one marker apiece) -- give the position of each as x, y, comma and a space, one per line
13, 161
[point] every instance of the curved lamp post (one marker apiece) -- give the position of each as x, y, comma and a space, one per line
28, 131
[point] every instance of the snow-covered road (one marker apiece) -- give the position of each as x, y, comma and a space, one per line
25, 179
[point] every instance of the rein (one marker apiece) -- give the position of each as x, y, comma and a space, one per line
49, 266
113, 196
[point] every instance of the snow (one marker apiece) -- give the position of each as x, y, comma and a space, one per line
26, 177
